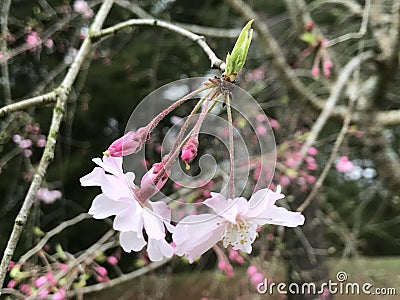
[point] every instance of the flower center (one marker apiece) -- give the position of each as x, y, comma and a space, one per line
240, 235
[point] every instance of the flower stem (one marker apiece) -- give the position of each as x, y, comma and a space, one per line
231, 149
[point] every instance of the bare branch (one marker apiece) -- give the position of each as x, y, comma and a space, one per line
121, 279
355, 35
337, 90
200, 40
4, 52
331, 159
52, 233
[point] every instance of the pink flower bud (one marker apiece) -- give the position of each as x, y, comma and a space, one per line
256, 278
189, 151
60, 295
328, 64
222, 266
148, 187
11, 284
315, 71
112, 260
40, 281
312, 151
327, 73
130, 143
309, 26
101, 271
251, 270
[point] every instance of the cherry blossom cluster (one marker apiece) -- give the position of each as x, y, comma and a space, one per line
234, 221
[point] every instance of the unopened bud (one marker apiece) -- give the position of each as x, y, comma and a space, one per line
189, 151
130, 143
148, 187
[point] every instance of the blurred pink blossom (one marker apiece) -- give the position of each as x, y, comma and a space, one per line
344, 165
48, 196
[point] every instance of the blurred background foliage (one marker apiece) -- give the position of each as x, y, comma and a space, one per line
131, 64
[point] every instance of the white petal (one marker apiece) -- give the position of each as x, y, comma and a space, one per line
280, 216
131, 241
112, 165
153, 225
162, 209
129, 219
196, 234
217, 202
158, 249
262, 200
94, 178
103, 207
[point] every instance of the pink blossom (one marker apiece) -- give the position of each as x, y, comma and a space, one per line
189, 150
119, 198
312, 166
256, 278
261, 130
40, 281
16, 138
327, 73
344, 165
26, 289
310, 179
251, 270
284, 180
27, 152
60, 295
315, 71
63, 267
49, 43
101, 271
41, 142
312, 151
274, 123
11, 284
44, 293
83, 8
11, 265
130, 143
328, 64
32, 39
48, 196
112, 260
235, 222
309, 26
358, 134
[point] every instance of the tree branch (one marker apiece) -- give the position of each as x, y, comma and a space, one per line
48, 154
337, 90
200, 40
52, 233
4, 52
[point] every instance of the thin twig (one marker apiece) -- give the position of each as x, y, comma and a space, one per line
48, 153
331, 159
200, 40
337, 90
121, 279
355, 35
52, 233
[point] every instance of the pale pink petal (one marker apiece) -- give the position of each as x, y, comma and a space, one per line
280, 216
158, 249
93, 178
153, 225
261, 200
196, 234
112, 165
162, 209
217, 202
131, 241
103, 207
129, 219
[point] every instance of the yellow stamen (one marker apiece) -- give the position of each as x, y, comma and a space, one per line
106, 153
187, 166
